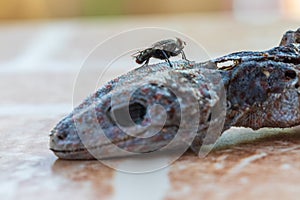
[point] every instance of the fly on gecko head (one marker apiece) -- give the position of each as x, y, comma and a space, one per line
163, 50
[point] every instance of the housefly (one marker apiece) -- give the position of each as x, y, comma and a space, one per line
163, 50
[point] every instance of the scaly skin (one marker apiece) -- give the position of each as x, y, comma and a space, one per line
261, 88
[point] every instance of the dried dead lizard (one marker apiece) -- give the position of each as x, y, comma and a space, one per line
262, 90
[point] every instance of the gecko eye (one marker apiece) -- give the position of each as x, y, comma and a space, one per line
120, 116
290, 74
137, 112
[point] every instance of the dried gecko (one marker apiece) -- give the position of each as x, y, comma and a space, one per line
262, 90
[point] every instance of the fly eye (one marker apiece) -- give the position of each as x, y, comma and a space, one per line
138, 61
290, 74
128, 115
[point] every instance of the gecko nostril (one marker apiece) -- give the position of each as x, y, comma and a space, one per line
290, 74
61, 135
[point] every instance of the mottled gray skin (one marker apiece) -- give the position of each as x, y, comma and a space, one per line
262, 90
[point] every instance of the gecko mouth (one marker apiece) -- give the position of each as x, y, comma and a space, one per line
80, 153
70, 151
84, 149
84, 152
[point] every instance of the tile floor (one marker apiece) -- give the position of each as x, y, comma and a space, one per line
39, 62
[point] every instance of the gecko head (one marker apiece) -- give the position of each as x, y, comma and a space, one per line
129, 117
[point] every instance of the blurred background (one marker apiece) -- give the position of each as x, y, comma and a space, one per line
35, 9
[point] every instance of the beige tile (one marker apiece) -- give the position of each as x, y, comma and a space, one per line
265, 169
36, 88
51, 87
14, 39
29, 170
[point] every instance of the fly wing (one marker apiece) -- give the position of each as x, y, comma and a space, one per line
134, 55
167, 45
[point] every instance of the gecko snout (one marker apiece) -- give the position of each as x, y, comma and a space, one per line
58, 138
61, 135
60, 132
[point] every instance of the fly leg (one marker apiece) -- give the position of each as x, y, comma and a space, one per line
184, 57
167, 58
146, 63
182, 54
